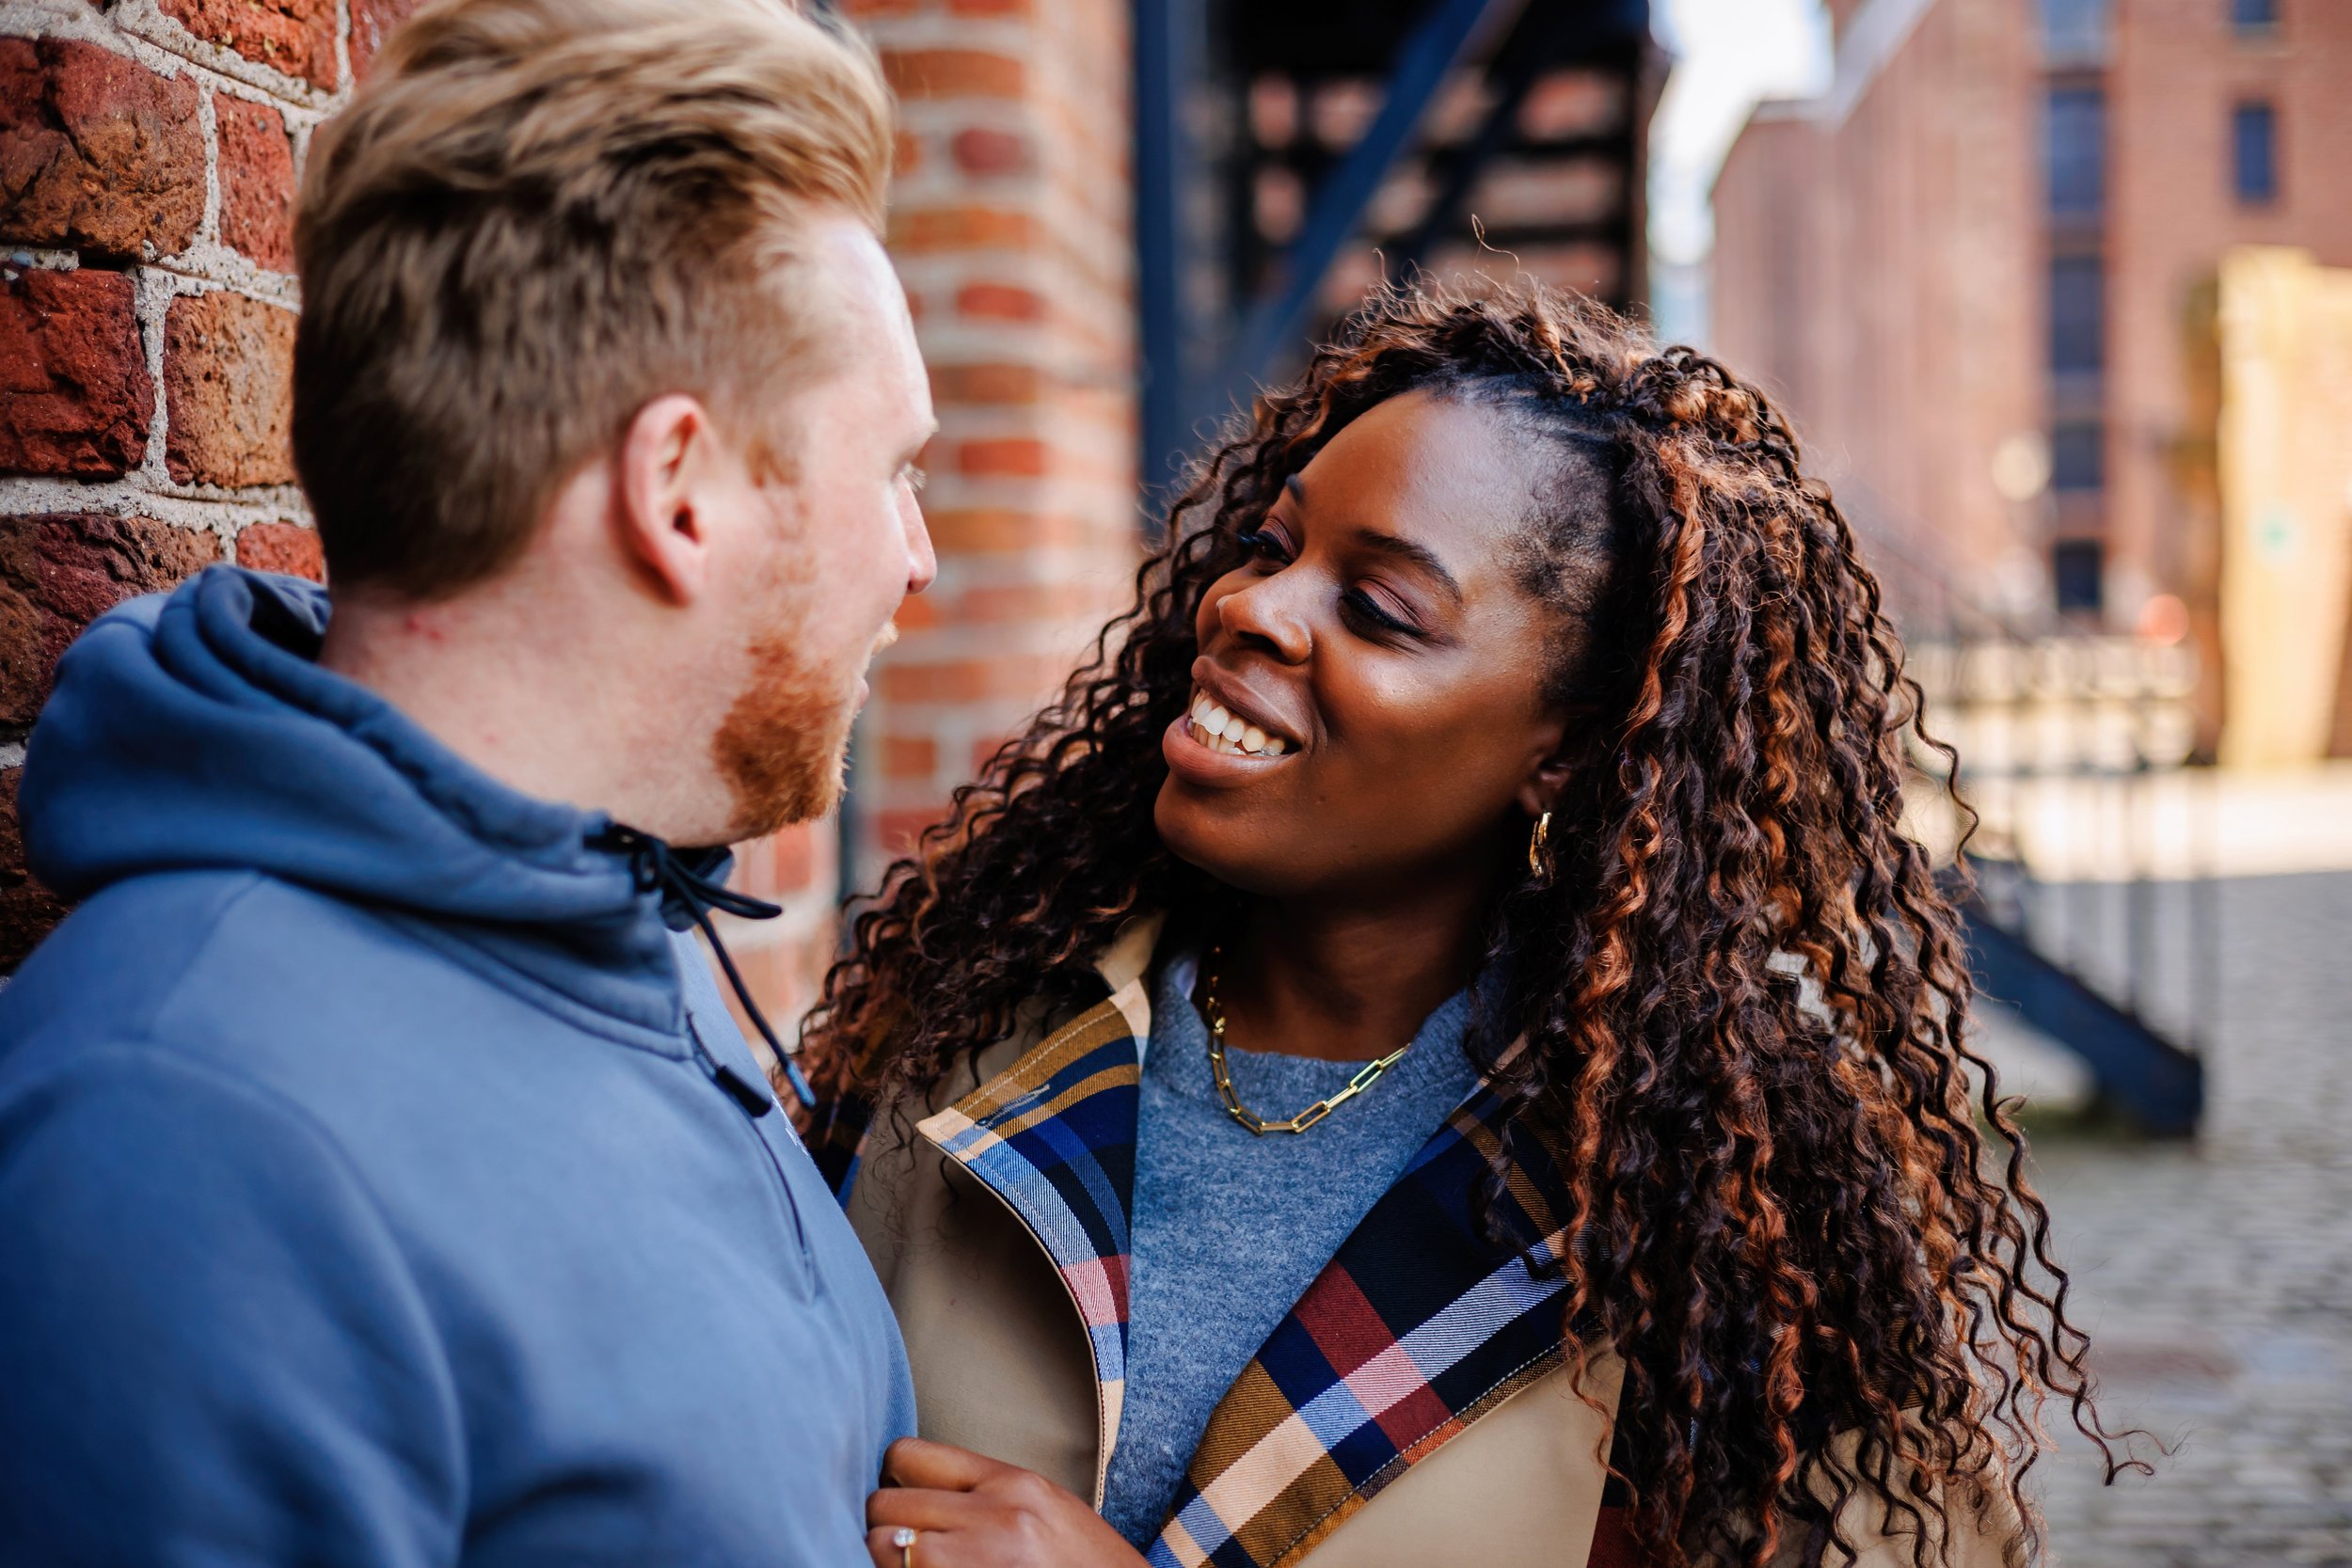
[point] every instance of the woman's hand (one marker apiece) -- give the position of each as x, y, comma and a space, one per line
974, 1512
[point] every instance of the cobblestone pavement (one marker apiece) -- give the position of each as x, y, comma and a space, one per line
2217, 1280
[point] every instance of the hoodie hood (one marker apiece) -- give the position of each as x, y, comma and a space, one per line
194, 732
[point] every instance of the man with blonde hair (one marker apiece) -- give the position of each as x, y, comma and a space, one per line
382, 1181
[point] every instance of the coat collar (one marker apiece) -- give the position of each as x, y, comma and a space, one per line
1416, 1328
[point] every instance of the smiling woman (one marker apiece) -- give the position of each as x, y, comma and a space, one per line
1504, 761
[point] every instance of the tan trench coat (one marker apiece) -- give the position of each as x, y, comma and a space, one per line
1002, 1365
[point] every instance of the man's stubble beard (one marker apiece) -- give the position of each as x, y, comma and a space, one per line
782, 747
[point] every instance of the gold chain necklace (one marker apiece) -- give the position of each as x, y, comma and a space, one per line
1214, 1013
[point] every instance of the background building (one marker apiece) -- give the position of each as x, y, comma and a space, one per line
1983, 267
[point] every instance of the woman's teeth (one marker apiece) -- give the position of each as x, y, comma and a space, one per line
1220, 731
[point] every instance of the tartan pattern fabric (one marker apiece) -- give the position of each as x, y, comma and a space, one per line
1053, 1135
1415, 1329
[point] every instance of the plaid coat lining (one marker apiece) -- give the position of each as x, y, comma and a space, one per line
1053, 1135
1415, 1329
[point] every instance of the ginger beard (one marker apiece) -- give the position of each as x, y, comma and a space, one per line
783, 744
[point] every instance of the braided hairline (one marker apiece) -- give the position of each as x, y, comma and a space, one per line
1744, 996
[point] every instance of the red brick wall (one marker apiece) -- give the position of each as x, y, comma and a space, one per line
1011, 223
148, 158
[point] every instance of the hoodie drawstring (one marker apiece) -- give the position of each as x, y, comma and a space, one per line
654, 866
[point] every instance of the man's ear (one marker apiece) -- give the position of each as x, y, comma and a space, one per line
665, 477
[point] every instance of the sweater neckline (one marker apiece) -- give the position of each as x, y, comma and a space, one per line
1180, 1038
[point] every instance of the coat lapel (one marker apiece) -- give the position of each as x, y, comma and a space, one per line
1416, 1328
1053, 1136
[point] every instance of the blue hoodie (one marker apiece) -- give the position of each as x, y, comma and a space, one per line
382, 1181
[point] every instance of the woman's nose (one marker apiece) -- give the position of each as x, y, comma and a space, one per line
1268, 612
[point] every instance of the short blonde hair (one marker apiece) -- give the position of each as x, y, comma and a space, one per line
537, 216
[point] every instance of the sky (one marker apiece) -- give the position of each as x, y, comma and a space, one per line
1727, 55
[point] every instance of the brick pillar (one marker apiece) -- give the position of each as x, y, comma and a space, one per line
1011, 224
148, 160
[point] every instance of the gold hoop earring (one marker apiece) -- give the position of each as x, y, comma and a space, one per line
1539, 849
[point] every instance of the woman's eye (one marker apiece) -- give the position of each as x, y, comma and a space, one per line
1365, 608
1261, 544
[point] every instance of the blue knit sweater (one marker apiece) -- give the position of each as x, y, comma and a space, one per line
1230, 1227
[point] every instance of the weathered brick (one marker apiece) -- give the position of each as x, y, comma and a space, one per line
75, 393
1004, 302
908, 756
998, 530
986, 384
1004, 457
1026, 601
895, 831
60, 571
296, 36
287, 548
916, 612
783, 862
968, 680
227, 389
28, 910
97, 153
257, 181
371, 23
983, 149
794, 851
928, 228
953, 74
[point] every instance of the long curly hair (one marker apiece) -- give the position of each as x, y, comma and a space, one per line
1742, 993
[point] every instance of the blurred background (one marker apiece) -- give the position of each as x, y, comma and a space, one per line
2057, 293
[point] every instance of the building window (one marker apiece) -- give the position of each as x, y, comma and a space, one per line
2076, 152
2077, 314
2077, 455
2255, 145
2076, 566
2255, 16
2074, 30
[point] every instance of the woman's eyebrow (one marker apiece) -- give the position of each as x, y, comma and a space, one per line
1402, 550
1411, 554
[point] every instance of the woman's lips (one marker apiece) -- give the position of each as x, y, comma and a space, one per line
1212, 724
1214, 763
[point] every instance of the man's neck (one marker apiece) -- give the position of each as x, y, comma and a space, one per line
532, 712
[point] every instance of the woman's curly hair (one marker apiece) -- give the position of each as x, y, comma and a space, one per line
1743, 994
